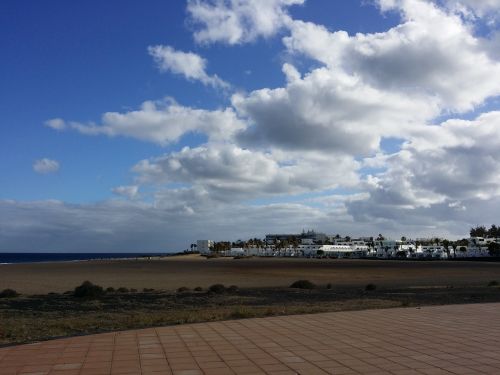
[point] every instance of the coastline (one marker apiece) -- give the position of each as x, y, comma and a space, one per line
95, 257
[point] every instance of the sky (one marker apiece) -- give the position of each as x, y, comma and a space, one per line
128, 126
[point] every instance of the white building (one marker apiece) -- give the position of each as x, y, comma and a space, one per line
478, 246
204, 246
432, 251
335, 251
235, 252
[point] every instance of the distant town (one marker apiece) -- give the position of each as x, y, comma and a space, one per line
482, 242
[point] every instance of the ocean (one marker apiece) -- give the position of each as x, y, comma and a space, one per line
7, 258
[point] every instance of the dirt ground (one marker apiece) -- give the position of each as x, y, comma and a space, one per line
193, 271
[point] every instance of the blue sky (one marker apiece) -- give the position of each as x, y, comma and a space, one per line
303, 120
78, 60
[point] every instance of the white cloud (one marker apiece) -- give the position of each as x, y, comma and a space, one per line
238, 21
328, 111
488, 9
129, 191
291, 73
45, 166
228, 173
188, 64
445, 172
431, 53
56, 124
164, 122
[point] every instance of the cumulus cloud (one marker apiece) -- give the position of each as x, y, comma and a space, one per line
238, 21
45, 166
328, 111
188, 64
164, 122
431, 53
129, 191
229, 173
489, 9
443, 173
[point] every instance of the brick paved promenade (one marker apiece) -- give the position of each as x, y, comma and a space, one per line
460, 339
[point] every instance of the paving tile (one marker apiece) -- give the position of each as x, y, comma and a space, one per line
429, 340
67, 366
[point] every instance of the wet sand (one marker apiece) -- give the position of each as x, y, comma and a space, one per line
192, 271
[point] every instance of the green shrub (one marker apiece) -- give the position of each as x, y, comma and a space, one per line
133, 290
217, 288
182, 289
370, 287
303, 284
110, 289
198, 289
8, 293
88, 290
493, 283
147, 290
122, 290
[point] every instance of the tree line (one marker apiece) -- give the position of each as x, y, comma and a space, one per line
481, 231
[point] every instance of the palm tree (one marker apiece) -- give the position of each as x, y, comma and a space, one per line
462, 249
295, 245
446, 245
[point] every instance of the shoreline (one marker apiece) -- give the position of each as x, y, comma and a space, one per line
96, 259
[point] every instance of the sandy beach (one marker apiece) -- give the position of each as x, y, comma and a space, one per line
192, 271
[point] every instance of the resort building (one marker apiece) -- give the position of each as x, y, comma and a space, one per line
319, 245
204, 246
316, 237
432, 251
479, 246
